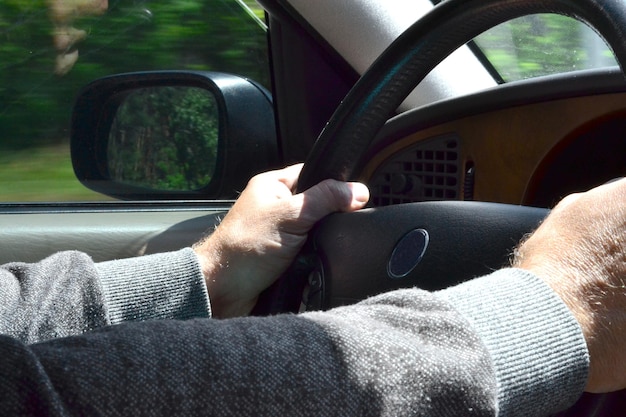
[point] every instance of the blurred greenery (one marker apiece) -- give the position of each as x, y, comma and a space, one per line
543, 44
35, 104
133, 35
42, 173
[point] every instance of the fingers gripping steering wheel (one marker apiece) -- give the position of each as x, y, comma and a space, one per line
338, 151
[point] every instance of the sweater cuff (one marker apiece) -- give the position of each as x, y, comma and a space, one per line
160, 286
536, 345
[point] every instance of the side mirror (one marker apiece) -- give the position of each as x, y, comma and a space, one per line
172, 135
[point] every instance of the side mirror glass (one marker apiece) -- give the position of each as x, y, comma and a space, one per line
164, 138
172, 135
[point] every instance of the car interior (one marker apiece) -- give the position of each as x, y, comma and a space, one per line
459, 171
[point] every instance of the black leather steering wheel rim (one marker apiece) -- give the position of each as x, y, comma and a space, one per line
338, 151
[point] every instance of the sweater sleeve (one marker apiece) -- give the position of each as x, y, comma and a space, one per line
68, 294
537, 348
404, 353
407, 352
56, 297
162, 286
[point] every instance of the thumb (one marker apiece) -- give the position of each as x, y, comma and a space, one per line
330, 196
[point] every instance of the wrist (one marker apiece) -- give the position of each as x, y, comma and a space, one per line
574, 285
226, 289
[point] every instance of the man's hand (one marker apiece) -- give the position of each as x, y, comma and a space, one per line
263, 232
580, 251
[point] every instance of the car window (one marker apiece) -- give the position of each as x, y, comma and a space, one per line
50, 49
543, 44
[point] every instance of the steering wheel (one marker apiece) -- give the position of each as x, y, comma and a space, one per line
406, 62
342, 144
340, 148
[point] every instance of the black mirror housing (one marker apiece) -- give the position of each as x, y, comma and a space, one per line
246, 139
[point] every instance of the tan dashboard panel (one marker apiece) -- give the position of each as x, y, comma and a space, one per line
509, 144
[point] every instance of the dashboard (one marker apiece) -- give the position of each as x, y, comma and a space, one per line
529, 143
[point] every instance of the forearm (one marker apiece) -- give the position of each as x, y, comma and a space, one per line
402, 353
56, 297
68, 294
405, 352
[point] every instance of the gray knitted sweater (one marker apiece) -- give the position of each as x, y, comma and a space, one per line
502, 345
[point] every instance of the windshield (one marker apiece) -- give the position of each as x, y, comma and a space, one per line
50, 49
543, 44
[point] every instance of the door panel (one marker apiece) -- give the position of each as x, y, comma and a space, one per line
103, 235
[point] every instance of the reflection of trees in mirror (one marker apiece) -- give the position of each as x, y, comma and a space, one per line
165, 138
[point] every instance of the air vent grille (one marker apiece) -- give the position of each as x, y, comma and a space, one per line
429, 170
